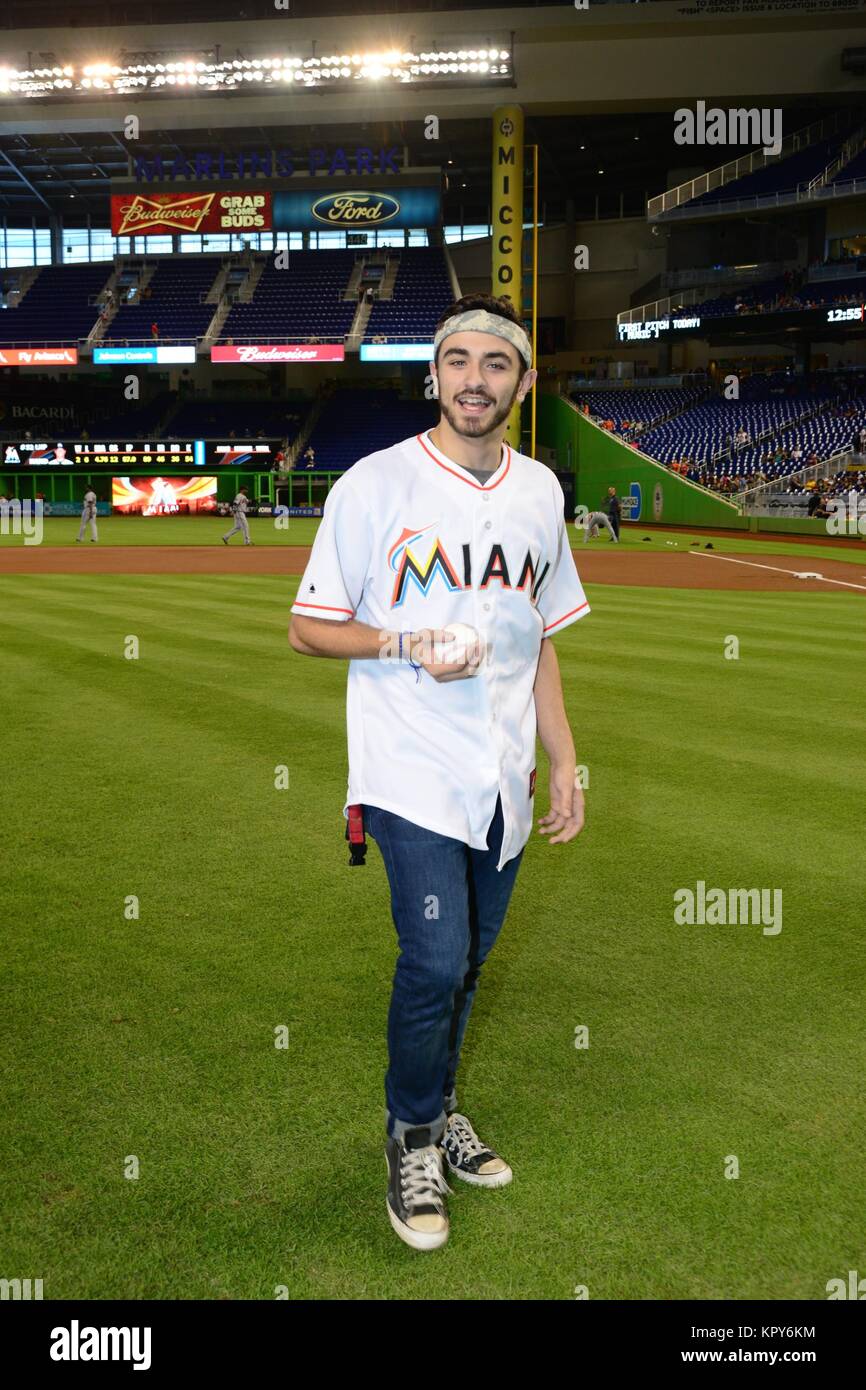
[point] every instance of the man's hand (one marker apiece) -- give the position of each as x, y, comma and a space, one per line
564, 820
423, 647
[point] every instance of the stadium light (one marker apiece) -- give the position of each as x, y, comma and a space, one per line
388, 66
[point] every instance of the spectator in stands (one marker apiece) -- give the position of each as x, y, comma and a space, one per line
154, 330
816, 501
796, 455
309, 457
612, 508
860, 441
812, 460
741, 437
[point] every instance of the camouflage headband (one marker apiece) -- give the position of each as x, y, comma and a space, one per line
481, 321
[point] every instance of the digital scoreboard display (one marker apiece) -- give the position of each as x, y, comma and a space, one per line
741, 325
853, 313
143, 456
140, 455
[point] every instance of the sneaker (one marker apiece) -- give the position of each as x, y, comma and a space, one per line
416, 1188
223, 539
471, 1160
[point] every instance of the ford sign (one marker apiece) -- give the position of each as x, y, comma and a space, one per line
355, 209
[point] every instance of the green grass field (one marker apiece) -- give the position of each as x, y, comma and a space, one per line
260, 1167
118, 530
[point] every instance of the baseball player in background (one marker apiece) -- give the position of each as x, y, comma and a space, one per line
449, 527
591, 522
239, 512
88, 514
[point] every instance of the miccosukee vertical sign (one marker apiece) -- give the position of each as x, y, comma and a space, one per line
507, 214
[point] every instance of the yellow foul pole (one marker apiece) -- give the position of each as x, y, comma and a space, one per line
534, 149
507, 214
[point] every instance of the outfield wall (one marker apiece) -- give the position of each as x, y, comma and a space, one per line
647, 490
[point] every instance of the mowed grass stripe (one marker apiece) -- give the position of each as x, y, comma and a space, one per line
261, 1167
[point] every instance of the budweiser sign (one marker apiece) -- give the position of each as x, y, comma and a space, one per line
278, 352
194, 212
39, 357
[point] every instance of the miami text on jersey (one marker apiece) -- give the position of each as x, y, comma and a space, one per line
407, 568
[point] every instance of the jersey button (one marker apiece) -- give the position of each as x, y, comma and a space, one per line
487, 608
487, 525
486, 496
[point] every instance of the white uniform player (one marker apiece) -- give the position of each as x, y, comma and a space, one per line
410, 540
449, 527
239, 512
88, 514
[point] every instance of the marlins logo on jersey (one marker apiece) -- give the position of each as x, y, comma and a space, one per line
407, 567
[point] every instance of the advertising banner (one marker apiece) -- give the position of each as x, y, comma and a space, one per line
163, 355
356, 209
134, 214
39, 357
278, 352
396, 352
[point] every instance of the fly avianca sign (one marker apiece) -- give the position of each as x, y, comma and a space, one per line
136, 214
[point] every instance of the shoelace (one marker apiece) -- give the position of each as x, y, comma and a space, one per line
461, 1136
421, 1177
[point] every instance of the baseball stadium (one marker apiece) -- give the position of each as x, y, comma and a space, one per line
235, 242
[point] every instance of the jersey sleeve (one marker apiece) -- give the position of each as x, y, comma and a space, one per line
338, 566
561, 600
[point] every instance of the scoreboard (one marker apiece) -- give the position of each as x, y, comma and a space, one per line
141, 456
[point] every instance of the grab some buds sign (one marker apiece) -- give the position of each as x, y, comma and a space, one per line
134, 214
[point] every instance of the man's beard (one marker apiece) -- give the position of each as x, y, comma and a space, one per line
474, 428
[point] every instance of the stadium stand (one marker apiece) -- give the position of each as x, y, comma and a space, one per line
780, 177
359, 422
302, 300
649, 406
422, 291
172, 300
242, 419
56, 308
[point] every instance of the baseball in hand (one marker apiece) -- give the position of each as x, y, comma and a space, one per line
466, 645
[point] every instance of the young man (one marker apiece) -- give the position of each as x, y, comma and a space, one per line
451, 526
239, 512
88, 515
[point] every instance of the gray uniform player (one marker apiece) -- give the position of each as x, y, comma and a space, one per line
239, 512
88, 514
591, 523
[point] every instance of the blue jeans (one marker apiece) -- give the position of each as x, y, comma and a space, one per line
448, 903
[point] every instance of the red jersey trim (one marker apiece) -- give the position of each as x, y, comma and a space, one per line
323, 607
566, 615
479, 487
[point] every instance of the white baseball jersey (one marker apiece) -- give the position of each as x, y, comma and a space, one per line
410, 540
89, 507
240, 504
